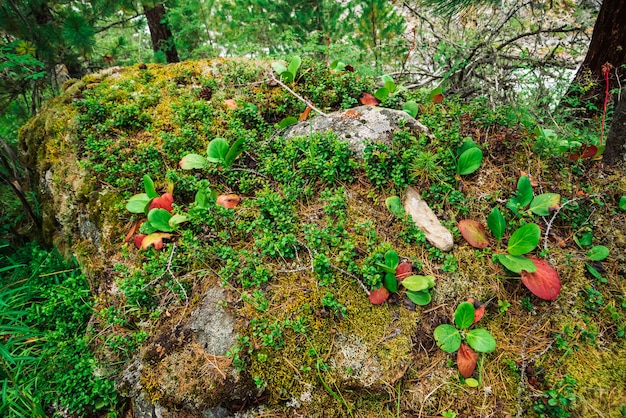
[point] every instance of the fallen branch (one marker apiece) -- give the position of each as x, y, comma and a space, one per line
296, 95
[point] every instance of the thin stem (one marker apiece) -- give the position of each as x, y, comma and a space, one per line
305, 101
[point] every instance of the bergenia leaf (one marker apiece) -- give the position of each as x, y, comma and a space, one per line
598, 253
216, 150
448, 338
524, 191
516, 263
379, 296
417, 283
234, 152
155, 239
544, 282
542, 205
138, 203
191, 161
474, 233
279, 67
392, 259
622, 203
481, 340
390, 282
176, 220
524, 239
381, 93
466, 360
464, 315
469, 161
394, 204
496, 223
148, 186
294, 65
420, 298
411, 107
160, 219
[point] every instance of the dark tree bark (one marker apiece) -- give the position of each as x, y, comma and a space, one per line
162, 39
617, 135
608, 46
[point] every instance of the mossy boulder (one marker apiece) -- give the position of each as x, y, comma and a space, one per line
264, 306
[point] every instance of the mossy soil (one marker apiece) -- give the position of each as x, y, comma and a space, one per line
311, 225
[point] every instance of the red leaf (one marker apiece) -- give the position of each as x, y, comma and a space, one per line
138, 239
479, 309
474, 233
229, 201
155, 239
403, 270
305, 115
437, 98
379, 296
466, 359
368, 100
544, 282
162, 202
586, 151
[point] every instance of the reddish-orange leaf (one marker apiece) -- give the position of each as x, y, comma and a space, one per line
586, 151
155, 239
138, 239
163, 202
474, 233
466, 359
437, 98
479, 309
230, 103
544, 282
368, 99
304, 115
229, 201
403, 270
379, 296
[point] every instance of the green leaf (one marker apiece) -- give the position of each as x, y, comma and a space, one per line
496, 223
394, 204
542, 204
176, 220
469, 161
598, 253
148, 186
481, 340
420, 298
524, 192
516, 263
381, 94
585, 238
392, 259
216, 150
471, 382
287, 76
524, 239
288, 121
191, 161
595, 273
468, 143
233, 152
448, 338
464, 315
294, 65
138, 203
389, 84
417, 283
279, 67
160, 219
411, 107
390, 282
385, 268
622, 203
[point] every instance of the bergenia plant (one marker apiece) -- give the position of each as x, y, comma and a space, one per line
467, 342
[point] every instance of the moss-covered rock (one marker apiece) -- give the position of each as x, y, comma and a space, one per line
265, 305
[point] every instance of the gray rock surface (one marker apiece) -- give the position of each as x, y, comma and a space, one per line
427, 221
359, 126
213, 327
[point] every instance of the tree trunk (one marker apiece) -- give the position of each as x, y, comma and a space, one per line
608, 46
617, 135
160, 33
